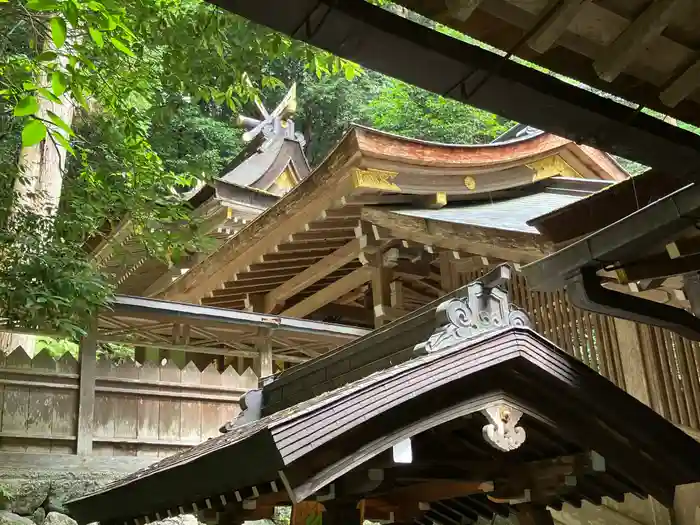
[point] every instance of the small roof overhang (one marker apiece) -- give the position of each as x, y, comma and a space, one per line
565, 405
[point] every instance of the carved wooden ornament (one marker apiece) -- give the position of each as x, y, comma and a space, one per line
501, 432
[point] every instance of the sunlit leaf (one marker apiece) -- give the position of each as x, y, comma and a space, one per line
72, 14
42, 5
34, 132
121, 47
27, 106
63, 142
59, 83
96, 36
46, 56
48, 95
58, 31
59, 122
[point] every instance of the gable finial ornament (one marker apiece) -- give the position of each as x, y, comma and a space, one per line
502, 432
483, 308
273, 123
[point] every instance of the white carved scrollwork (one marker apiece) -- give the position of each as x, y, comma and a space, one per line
501, 432
481, 310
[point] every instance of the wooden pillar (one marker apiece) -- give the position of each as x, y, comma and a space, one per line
640, 382
686, 504
86, 398
263, 363
633, 369
532, 514
342, 513
382, 276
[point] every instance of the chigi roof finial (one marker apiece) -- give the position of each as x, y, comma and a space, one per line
278, 122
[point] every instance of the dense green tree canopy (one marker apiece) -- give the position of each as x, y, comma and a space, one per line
156, 86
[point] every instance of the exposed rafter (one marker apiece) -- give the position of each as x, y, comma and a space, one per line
634, 39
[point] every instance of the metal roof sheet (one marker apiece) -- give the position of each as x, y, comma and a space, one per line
512, 214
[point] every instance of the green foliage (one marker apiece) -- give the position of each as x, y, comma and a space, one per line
155, 85
58, 347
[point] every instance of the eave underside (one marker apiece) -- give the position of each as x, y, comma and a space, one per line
435, 399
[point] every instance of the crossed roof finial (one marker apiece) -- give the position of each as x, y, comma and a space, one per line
272, 123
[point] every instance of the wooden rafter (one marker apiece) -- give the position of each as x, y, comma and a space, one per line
634, 39
315, 273
555, 26
330, 293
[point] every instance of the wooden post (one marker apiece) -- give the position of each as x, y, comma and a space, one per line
263, 363
531, 514
382, 276
632, 360
86, 399
641, 383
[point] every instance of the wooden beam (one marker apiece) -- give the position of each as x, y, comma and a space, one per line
86, 399
683, 247
297, 208
656, 267
556, 24
461, 9
635, 38
436, 490
120, 234
330, 293
512, 246
315, 273
682, 87
343, 311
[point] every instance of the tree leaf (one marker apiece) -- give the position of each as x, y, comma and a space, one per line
48, 95
27, 106
46, 56
121, 47
59, 83
96, 36
59, 122
79, 97
43, 5
34, 132
58, 31
72, 14
63, 142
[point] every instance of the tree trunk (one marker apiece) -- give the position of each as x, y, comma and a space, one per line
39, 189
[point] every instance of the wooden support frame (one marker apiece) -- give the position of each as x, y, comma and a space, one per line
658, 267
633, 40
383, 265
315, 273
330, 293
550, 31
86, 398
263, 363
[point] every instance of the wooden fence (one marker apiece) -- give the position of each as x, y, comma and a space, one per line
149, 410
155, 410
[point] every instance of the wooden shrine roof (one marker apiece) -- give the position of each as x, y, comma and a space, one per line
297, 452
216, 331
307, 250
640, 51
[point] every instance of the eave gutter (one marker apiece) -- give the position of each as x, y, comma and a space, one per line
575, 266
377, 39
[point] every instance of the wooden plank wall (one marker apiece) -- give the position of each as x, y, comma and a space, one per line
149, 410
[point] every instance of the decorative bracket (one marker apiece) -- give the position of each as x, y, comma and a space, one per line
483, 308
501, 432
